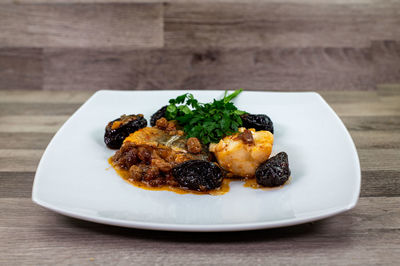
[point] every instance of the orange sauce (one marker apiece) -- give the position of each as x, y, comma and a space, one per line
252, 183
125, 175
248, 182
116, 124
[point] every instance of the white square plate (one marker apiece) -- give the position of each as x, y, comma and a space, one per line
75, 179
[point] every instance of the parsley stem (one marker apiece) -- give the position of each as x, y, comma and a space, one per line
232, 96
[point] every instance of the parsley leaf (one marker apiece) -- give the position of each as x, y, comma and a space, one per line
209, 122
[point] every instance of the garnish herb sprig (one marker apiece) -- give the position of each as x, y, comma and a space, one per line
209, 122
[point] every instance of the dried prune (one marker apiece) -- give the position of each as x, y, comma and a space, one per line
258, 122
157, 115
198, 175
273, 172
118, 129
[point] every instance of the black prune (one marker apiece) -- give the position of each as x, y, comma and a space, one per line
273, 172
118, 129
157, 115
258, 122
198, 175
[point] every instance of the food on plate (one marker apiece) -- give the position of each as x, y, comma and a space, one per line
241, 153
258, 122
274, 172
150, 153
120, 128
196, 147
157, 115
198, 175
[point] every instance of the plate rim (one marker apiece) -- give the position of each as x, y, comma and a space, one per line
304, 218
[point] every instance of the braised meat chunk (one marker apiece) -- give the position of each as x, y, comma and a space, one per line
151, 153
240, 154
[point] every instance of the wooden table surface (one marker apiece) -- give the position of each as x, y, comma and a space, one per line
367, 234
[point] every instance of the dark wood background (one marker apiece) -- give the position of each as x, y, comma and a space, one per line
178, 44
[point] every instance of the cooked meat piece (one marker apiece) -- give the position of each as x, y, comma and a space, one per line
144, 154
151, 173
242, 159
126, 156
150, 153
136, 172
193, 145
162, 165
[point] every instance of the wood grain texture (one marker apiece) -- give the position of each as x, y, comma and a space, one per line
25, 96
16, 184
31, 123
279, 24
376, 139
180, 44
50, 25
25, 140
19, 160
50, 109
367, 235
21, 68
252, 69
378, 183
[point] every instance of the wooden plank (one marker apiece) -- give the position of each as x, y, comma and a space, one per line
387, 57
376, 139
388, 90
35, 123
16, 184
365, 123
369, 234
23, 96
378, 108
280, 24
50, 109
20, 69
24, 140
379, 159
380, 183
347, 96
19, 160
97, 69
80, 25
251, 69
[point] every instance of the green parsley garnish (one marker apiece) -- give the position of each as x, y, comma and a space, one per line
209, 122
